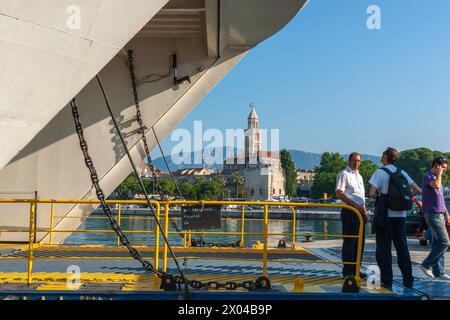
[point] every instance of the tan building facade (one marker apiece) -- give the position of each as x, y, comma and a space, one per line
305, 181
262, 172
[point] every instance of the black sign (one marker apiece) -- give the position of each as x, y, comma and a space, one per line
201, 218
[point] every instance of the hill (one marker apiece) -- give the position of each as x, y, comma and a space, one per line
302, 159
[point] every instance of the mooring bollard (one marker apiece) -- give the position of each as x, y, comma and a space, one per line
299, 285
257, 245
281, 244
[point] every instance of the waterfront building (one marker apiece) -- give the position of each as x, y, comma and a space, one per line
145, 172
191, 174
261, 170
305, 181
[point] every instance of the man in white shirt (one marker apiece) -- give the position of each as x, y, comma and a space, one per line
391, 228
350, 189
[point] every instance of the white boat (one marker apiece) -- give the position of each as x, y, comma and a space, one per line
46, 60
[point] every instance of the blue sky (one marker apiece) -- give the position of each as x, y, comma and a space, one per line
331, 84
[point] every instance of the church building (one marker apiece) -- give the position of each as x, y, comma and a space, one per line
262, 172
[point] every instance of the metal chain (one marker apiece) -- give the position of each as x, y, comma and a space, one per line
101, 196
141, 129
202, 243
177, 281
194, 242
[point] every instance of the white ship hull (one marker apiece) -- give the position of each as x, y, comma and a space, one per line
44, 65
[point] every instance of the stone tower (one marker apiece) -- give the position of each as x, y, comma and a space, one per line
252, 135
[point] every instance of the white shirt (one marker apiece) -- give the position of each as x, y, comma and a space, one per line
352, 185
380, 181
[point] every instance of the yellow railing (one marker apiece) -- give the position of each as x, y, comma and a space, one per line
187, 234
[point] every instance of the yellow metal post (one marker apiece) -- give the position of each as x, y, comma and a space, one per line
157, 237
52, 217
31, 242
294, 227
156, 259
360, 240
166, 232
119, 211
242, 225
266, 222
189, 238
184, 239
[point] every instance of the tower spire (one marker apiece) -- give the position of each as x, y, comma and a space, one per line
253, 119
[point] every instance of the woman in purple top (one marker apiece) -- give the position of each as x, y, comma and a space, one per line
436, 216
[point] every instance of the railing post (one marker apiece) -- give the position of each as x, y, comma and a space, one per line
266, 222
52, 218
189, 238
35, 216
156, 259
294, 227
184, 239
119, 211
166, 232
242, 225
360, 240
31, 241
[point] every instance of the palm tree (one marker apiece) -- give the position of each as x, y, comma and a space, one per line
222, 183
238, 180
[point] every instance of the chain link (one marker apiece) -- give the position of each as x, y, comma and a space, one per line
260, 283
141, 129
101, 196
147, 265
194, 242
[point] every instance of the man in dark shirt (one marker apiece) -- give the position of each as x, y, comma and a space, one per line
436, 216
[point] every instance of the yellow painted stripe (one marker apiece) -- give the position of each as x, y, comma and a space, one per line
91, 248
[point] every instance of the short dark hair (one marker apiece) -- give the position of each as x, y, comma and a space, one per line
439, 161
353, 154
392, 155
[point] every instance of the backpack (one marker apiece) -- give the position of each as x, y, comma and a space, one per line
399, 192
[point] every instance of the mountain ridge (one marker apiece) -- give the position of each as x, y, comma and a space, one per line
302, 160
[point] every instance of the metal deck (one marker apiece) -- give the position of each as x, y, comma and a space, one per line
312, 271
109, 273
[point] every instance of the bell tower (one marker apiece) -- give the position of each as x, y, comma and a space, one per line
252, 134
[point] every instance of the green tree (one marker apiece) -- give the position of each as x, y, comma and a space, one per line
222, 184
325, 180
366, 170
290, 174
207, 189
416, 162
188, 189
128, 188
148, 184
166, 186
238, 181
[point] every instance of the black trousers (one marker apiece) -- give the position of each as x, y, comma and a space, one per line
350, 226
394, 231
